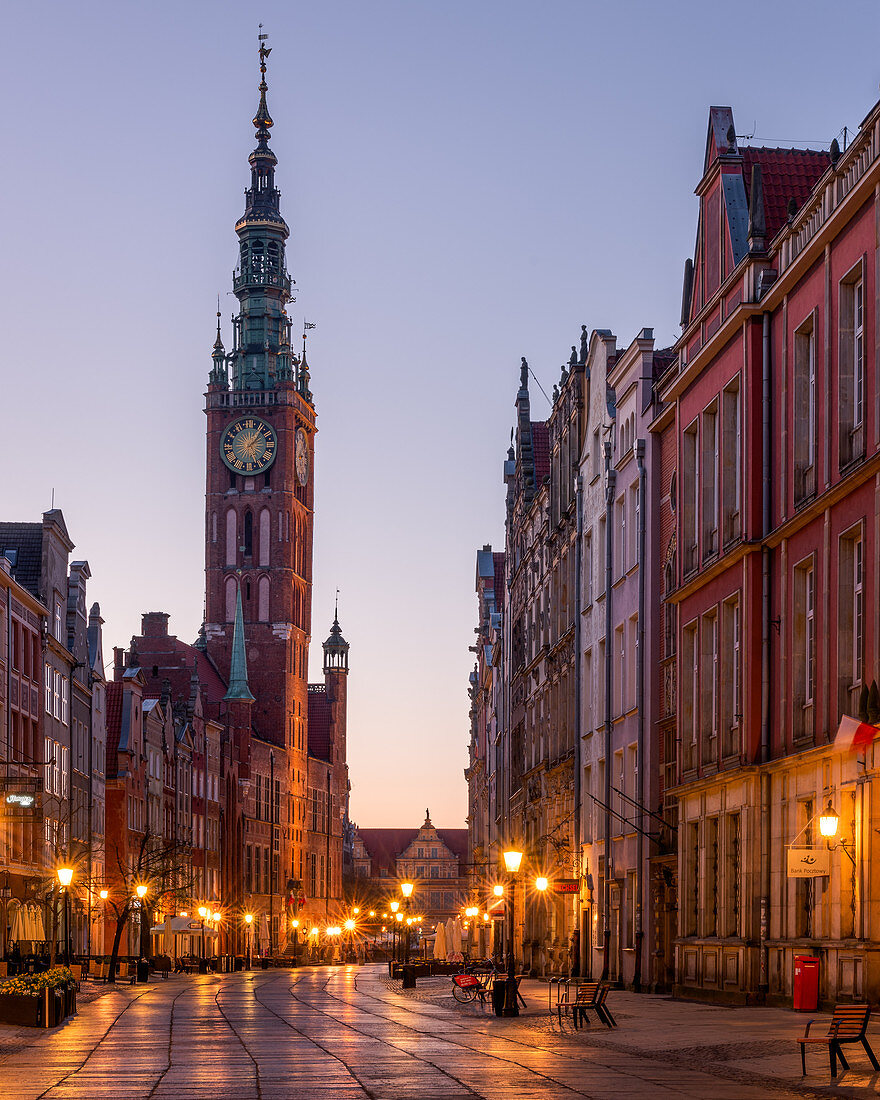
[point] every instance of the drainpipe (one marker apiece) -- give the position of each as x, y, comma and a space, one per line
579, 509
610, 482
764, 979
640, 704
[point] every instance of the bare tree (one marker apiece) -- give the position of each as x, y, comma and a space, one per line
163, 868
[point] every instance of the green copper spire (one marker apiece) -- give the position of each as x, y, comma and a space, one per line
238, 682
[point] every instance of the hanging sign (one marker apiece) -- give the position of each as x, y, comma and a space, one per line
809, 862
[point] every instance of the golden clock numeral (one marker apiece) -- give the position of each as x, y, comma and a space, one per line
239, 464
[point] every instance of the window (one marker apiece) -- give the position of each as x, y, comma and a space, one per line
597, 455
231, 541
730, 681
670, 609
690, 494
48, 688
710, 922
804, 649
851, 369
588, 569
601, 550
248, 534
689, 698
265, 537
805, 410
710, 480
619, 684
620, 548
731, 461
851, 614
709, 688
58, 629
734, 843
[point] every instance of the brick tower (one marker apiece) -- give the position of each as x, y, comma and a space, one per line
259, 493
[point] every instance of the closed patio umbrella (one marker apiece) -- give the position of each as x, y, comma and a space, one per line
440, 943
34, 923
457, 931
17, 932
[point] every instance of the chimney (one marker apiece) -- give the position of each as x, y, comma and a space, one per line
118, 662
154, 624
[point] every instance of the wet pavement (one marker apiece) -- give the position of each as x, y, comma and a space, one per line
339, 1032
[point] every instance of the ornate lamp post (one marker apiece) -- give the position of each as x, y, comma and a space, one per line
294, 924
203, 914
406, 888
394, 906
65, 877
512, 861
249, 921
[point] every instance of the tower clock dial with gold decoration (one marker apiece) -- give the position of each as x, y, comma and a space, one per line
248, 445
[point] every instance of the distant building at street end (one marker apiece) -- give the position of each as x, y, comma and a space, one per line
434, 860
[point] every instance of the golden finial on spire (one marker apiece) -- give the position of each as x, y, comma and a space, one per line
263, 120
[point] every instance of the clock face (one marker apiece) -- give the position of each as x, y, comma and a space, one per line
248, 445
302, 456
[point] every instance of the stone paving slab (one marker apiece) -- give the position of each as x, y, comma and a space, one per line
328, 1033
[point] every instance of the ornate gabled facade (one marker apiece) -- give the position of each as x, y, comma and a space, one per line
434, 860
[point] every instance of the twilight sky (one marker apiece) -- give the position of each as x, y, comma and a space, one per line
466, 183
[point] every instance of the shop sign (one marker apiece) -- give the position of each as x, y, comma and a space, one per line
809, 862
566, 886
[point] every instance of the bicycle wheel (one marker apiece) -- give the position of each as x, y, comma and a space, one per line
464, 995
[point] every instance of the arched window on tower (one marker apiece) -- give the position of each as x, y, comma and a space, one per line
263, 600
231, 541
230, 599
265, 536
258, 259
248, 534
273, 253
213, 527
671, 609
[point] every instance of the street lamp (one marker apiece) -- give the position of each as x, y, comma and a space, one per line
349, 928
394, 906
406, 888
203, 913
512, 861
541, 883
249, 921
65, 877
498, 890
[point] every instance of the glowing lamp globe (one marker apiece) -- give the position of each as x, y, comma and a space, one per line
512, 860
828, 822
541, 883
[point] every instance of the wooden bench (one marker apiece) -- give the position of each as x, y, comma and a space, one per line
848, 1025
575, 996
598, 1006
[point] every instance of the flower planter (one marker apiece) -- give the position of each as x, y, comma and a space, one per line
21, 1009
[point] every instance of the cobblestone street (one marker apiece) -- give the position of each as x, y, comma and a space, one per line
342, 1032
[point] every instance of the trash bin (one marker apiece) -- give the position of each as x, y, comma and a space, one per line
143, 970
239, 962
806, 983
409, 977
499, 992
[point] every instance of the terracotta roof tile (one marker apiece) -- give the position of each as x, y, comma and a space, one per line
786, 174
114, 723
541, 450
319, 725
385, 845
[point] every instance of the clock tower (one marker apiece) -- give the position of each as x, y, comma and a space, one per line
259, 492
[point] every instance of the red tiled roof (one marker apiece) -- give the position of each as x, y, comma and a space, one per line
457, 841
114, 723
319, 725
541, 450
786, 174
498, 562
385, 845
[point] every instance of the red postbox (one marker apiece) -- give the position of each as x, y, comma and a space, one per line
806, 983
